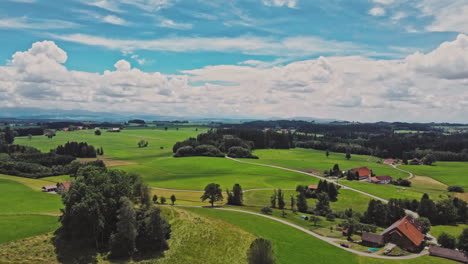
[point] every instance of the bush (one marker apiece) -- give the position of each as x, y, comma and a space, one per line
402, 182
185, 152
240, 152
208, 150
266, 210
446, 240
457, 189
331, 217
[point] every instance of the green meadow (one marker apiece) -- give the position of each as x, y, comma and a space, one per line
18, 198
294, 246
16, 227
160, 169
450, 173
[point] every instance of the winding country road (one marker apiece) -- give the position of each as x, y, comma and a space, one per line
331, 241
312, 175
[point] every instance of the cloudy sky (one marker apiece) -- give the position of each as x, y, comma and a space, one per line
360, 60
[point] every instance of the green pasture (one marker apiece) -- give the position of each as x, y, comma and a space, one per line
450, 173
294, 246
310, 159
159, 168
18, 198
455, 230
16, 227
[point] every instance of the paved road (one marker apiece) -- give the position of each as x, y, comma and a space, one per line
312, 175
331, 241
411, 175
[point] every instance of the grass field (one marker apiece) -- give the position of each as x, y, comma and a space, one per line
450, 173
315, 160
293, 246
16, 227
452, 230
20, 199
160, 169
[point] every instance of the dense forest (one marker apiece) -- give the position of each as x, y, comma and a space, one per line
377, 139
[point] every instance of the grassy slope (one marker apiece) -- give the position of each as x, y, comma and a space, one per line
450, 173
308, 159
293, 246
20, 199
16, 227
195, 240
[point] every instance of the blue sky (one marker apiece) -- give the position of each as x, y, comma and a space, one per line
198, 42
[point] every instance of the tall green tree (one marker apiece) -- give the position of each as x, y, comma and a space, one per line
122, 242
348, 155
425, 224
153, 232
293, 203
213, 193
463, 240
301, 203
273, 199
281, 202
173, 199
261, 252
235, 197
323, 204
332, 192
447, 241
427, 208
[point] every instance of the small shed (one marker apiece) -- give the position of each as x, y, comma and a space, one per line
49, 188
372, 240
63, 187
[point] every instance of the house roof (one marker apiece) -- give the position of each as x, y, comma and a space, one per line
66, 185
384, 178
362, 171
374, 179
373, 238
313, 187
448, 253
388, 161
408, 227
49, 187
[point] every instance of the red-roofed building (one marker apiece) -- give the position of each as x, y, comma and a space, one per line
388, 161
363, 172
63, 187
405, 233
380, 179
312, 187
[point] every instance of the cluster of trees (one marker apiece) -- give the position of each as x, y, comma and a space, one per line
98, 219
235, 196
261, 252
449, 241
381, 214
323, 187
162, 199
76, 149
457, 189
31, 163
214, 144
401, 182
335, 171
277, 199
100, 151
445, 212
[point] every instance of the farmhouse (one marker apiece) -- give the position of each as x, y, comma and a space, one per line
388, 161
63, 187
447, 253
405, 233
415, 162
49, 188
312, 187
363, 172
372, 240
380, 179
